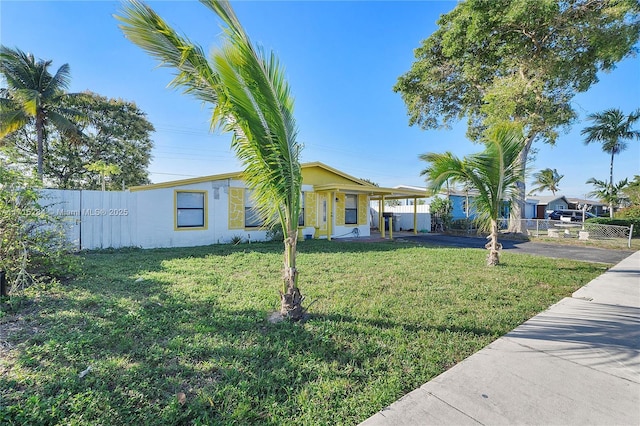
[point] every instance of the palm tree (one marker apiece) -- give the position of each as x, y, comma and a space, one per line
494, 173
612, 128
546, 179
608, 193
34, 95
252, 100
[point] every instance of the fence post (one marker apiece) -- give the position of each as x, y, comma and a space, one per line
630, 234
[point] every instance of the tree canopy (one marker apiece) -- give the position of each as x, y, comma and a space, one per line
491, 61
613, 195
546, 179
516, 60
612, 129
35, 96
115, 132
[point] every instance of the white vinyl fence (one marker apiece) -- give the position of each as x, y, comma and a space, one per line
94, 219
404, 216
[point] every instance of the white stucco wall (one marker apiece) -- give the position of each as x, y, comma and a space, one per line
156, 218
146, 218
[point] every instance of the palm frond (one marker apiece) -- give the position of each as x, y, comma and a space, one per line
12, 120
144, 27
250, 96
265, 134
493, 173
52, 86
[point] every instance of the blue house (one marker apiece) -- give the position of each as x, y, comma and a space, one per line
462, 205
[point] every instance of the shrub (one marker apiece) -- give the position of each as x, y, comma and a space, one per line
441, 209
33, 245
463, 224
275, 233
632, 212
236, 239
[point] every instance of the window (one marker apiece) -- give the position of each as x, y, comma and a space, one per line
351, 209
252, 218
190, 209
301, 217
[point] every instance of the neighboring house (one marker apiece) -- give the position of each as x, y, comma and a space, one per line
216, 209
545, 204
594, 207
548, 203
462, 205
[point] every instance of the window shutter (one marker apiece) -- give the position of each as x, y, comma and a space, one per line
236, 208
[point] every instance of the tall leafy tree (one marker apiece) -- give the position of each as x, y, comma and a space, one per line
612, 128
632, 191
34, 95
546, 180
116, 132
521, 61
493, 173
252, 100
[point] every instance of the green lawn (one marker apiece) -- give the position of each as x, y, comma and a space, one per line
156, 324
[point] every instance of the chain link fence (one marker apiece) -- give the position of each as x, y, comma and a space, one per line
581, 231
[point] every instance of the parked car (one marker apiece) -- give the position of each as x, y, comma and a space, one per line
574, 215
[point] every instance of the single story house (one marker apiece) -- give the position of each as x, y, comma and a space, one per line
594, 207
462, 205
216, 209
549, 203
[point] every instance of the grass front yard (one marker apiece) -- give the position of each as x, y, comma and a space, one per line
181, 336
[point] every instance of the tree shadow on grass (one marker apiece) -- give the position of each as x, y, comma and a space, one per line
149, 340
181, 361
271, 247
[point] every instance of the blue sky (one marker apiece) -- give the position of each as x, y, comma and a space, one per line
342, 59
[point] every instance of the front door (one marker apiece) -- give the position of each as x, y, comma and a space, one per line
323, 213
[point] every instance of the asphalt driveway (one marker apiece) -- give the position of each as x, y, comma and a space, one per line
587, 254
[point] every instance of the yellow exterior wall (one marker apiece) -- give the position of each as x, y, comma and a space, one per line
340, 208
363, 209
236, 208
320, 176
310, 209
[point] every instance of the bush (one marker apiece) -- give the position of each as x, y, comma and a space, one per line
632, 212
33, 245
275, 233
619, 222
441, 209
463, 224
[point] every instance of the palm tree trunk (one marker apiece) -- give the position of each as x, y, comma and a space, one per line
493, 258
40, 147
290, 296
611, 186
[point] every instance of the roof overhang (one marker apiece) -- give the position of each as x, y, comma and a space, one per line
374, 192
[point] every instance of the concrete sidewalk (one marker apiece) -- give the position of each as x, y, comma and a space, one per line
577, 363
